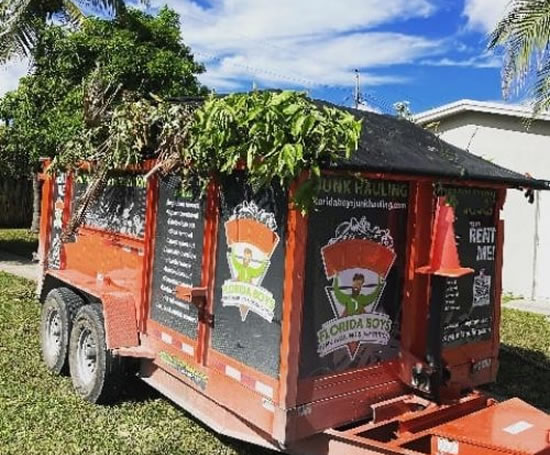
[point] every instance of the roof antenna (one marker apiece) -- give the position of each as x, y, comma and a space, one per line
357, 94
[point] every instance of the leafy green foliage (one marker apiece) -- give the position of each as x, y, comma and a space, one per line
524, 33
273, 135
143, 53
40, 413
277, 136
131, 56
41, 115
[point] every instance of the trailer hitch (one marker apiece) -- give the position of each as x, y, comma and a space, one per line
439, 375
429, 375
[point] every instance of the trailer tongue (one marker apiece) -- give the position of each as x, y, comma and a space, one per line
362, 328
473, 426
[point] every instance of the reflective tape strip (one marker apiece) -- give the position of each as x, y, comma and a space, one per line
187, 348
264, 389
233, 373
166, 338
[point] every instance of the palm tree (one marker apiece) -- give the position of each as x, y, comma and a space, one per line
524, 34
21, 20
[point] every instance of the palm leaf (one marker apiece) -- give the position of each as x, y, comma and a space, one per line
16, 30
524, 34
72, 11
20, 20
114, 7
541, 89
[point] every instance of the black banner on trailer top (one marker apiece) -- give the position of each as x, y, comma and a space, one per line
120, 207
469, 300
354, 275
250, 275
178, 256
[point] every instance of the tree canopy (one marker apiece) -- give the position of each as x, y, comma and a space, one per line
524, 34
133, 56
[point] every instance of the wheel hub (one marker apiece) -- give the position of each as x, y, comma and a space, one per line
53, 334
87, 356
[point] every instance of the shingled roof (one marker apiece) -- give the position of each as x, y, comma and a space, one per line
396, 146
392, 145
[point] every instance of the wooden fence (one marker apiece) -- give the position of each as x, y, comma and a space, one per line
15, 203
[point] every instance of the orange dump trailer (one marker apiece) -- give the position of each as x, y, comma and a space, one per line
362, 327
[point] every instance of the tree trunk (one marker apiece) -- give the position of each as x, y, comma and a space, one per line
36, 193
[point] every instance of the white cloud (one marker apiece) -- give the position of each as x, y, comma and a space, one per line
483, 15
486, 60
10, 74
301, 43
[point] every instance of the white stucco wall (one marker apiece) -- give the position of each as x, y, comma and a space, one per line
505, 141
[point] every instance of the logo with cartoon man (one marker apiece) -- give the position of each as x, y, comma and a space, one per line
245, 269
357, 262
251, 238
355, 302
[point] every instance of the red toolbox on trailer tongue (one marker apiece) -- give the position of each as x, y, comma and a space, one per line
495, 430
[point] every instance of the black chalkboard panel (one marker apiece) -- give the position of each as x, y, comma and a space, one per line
250, 275
178, 256
354, 275
120, 207
54, 251
469, 300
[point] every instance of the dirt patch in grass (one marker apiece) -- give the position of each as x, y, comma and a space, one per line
40, 414
21, 242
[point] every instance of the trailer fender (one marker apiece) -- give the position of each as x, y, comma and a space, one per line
120, 320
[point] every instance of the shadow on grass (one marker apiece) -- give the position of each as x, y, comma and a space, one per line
137, 391
523, 373
19, 242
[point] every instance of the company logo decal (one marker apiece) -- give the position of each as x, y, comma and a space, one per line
357, 262
252, 238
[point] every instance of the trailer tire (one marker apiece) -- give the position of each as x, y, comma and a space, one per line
56, 319
96, 373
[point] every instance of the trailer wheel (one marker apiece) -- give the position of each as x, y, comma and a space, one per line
56, 319
96, 373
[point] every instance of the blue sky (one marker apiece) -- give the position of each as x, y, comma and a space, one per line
428, 52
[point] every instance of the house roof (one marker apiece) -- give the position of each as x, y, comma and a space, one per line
392, 145
461, 106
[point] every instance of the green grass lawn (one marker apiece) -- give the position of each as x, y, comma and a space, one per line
39, 413
18, 241
524, 358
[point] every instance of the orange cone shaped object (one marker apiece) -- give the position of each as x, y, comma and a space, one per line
444, 259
